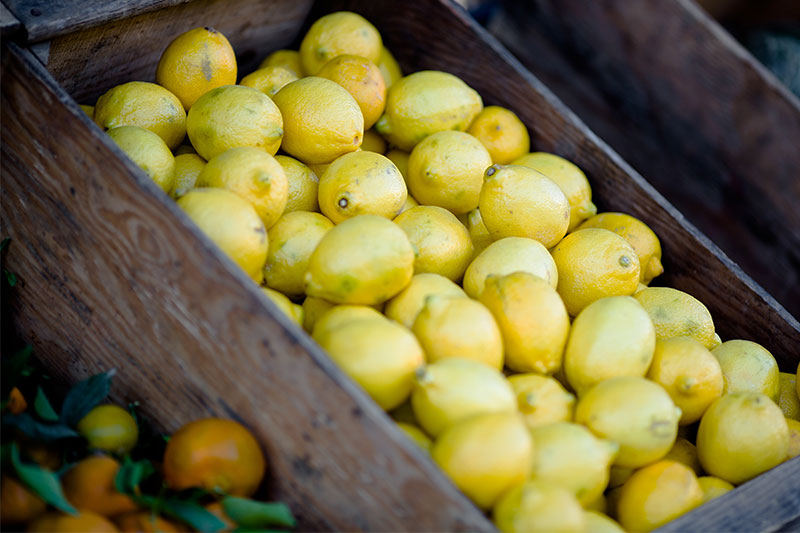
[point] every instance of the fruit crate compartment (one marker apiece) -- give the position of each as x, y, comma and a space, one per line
113, 274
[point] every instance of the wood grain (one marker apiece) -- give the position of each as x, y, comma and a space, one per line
114, 275
686, 106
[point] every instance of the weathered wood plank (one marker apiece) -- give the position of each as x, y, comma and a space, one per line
9, 25
114, 275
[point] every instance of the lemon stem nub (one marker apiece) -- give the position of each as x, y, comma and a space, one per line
686, 384
625, 261
422, 375
526, 402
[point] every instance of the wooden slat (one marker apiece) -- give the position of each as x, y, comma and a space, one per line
9, 25
114, 275
689, 108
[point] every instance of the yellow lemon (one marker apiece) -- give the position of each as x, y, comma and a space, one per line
337, 34
361, 183
618, 475
509, 255
788, 400
538, 507
196, 62
593, 264
149, 152
685, 452
373, 142
339, 315
747, 366
321, 120
254, 175
657, 494
364, 260
502, 133
292, 240
88, 109
532, 319
233, 116
568, 455
303, 185
288, 59
794, 438
481, 238
405, 307
379, 355
458, 327
441, 243
742, 435
485, 455
187, 168
611, 337
713, 487
453, 389
599, 505
410, 204
424, 103
400, 160
232, 224
146, 105
689, 373
363, 80
634, 412
638, 235
185, 148
541, 399
446, 170
569, 178
677, 314
600, 523
269, 80
389, 68
292, 310
417, 435
313, 309
517, 201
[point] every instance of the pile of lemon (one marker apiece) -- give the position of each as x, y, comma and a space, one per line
465, 283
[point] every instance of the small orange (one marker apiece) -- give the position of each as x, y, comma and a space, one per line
109, 428
18, 504
89, 486
363, 80
145, 522
16, 402
85, 522
215, 454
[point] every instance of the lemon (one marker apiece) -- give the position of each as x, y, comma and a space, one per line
424, 103
196, 62
517, 201
788, 400
441, 243
88, 109
405, 414
269, 80
502, 133
446, 169
532, 319
569, 178
538, 507
187, 168
149, 152
337, 34
634, 412
569, 456
458, 327
410, 204
417, 435
593, 264
677, 314
254, 175
485, 455
600, 523
185, 148
338, 315
713, 487
747, 366
147, 105
321, 120
364, 260
389, 68
794, 438
611, 337
599, 505
288, 59
685, 452
232, 224
509, 255
400, 160
742, 435
373, 142
313, 309
361, 183
657, 494
363, 80
292, 240
379, 355
303, 185
477, 232
405, 307
541, 399
233, 116
292, 310
618, 475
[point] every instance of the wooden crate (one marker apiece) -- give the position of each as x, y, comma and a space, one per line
688, 107
115, 275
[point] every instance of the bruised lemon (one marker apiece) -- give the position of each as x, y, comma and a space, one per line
149, 152
363, 80
539, 507
303, 185
481, 238
788, 399
541, 399
502, 133
748, 366
292, 310
389, 68
509, 255
187, 169
441, 243
288, 59
713, 487
292, 240
373, 142
337, 34
417, 435
677, 314
685, 452
405, 307
269, 80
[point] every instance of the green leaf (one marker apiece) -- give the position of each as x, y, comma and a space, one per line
39, 430
131, 474
43, 408
193, 514
84, 396
42, 482
11, 278
252, 514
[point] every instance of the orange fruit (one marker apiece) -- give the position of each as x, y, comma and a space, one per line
18, 504
145, 522
89, 486
85, 522
16, 402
